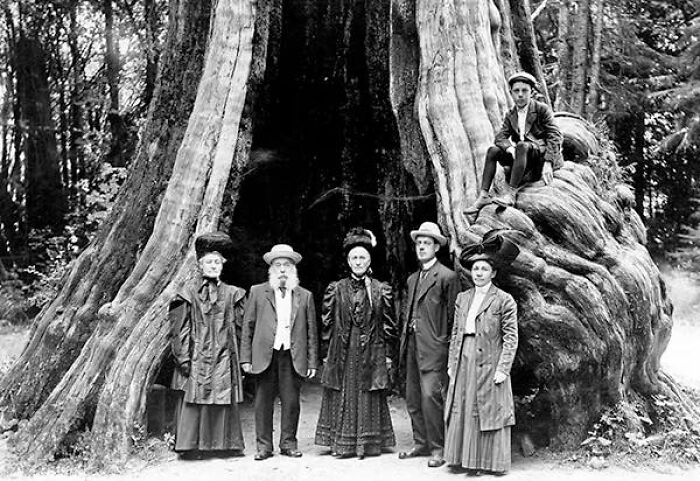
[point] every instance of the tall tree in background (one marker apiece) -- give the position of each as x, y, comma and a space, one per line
46, 199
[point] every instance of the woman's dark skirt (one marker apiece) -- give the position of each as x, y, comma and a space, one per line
354, 421
465, 444
208, 427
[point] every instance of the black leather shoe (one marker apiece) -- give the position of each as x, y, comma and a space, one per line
436, 462
413, 453
292, 453
260, 456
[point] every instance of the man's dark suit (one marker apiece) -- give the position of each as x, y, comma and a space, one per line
278, 371
424, 349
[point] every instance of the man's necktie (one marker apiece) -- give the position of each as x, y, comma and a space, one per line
283, 291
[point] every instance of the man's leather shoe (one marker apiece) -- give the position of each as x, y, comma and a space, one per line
413, 453
260, 456
436, 462
292, 453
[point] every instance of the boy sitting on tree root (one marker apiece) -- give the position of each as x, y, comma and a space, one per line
528, 146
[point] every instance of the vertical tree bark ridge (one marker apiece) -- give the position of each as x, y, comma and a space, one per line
65, 324
122, 402
502, 31
404, 66
191, 203
596, 52
457, 119
393, 177
579, 68
594, 316
564, 57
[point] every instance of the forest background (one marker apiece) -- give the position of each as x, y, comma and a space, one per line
76, 79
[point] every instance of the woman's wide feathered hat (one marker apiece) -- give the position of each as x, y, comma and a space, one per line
213, 242
357, 236
493, 248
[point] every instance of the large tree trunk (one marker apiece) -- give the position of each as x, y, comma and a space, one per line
131, 332
63, 327
594, 317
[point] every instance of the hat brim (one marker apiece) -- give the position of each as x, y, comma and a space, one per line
269, 257
469, 262
531, 82
505, 256
442, 240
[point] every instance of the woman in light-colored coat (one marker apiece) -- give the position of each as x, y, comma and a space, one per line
479, 408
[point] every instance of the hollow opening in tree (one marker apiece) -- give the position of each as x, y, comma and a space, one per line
320, 147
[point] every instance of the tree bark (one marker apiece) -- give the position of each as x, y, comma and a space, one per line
596, 52
75, 151
580, 58
594, 317
65, 324
461, 100
564, 57
135, 320
152, 50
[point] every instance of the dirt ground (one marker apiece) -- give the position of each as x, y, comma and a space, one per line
316, 465
680, 360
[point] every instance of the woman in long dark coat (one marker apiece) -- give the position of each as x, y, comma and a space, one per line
358, 318
205, 318
479, 409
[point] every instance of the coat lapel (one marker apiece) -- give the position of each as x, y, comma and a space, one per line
296, 300
488, 299
270, 295
428, 282
513, 115
412, 279
530, 119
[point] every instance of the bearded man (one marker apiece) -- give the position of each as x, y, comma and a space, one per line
279, 347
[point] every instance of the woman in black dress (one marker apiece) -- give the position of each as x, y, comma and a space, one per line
204, 319
358, 320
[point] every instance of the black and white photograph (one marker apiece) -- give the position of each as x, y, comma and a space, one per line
313, 240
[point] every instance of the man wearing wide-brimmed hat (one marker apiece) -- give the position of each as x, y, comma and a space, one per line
425, 342
279, 347
528, 145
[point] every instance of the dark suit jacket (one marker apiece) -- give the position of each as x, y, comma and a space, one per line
260, 325
435, 303
539, 129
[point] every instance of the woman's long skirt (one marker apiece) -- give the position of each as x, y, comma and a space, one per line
465, 444
354, 421
208, 427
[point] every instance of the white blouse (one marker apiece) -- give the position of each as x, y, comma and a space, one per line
470, 321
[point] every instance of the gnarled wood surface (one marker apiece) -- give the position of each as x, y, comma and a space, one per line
594, 318
594, 315
136, 316
63, 327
